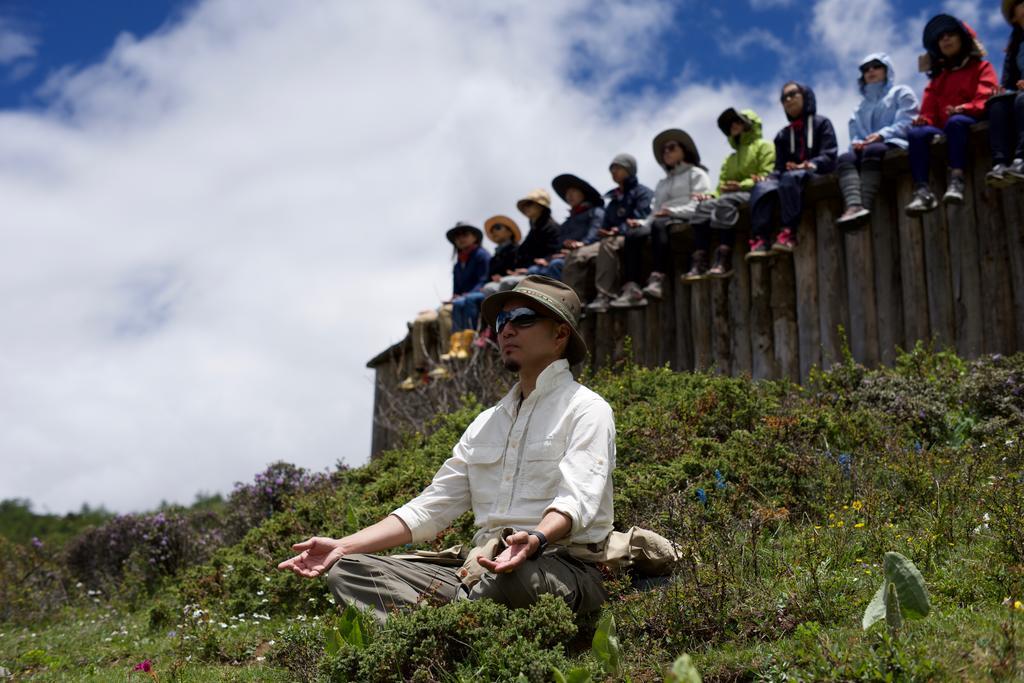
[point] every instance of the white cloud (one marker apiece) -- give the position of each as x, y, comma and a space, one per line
16, 44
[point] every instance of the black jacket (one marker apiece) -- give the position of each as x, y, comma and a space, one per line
1011, 72
632, 202
541, 242
504, 259
818, 144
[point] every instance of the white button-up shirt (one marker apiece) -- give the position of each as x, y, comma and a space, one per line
555, 451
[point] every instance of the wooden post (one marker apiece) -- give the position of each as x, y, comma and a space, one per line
833, 310
912, 276
888, 293
604, 340
966, 278
996, 290
700, 307
1014, 200
860, 288
588, 328
636, 330
761, 347
666, 331
784, 329
739, 309
652, 332
805, 267
684, 328
939, 281
721, 338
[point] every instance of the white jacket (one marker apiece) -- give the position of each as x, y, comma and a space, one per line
676, 190
515, 463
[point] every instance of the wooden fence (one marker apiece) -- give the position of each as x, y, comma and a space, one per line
954, 277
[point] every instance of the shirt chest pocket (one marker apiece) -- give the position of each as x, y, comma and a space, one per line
484, 469
541, 475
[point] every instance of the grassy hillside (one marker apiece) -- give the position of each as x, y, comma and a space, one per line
784, 500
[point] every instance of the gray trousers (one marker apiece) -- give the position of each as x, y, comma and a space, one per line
387, 584
723, 212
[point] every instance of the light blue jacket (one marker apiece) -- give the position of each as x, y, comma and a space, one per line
886, 109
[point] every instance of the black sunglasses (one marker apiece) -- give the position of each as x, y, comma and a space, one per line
520, 317
872, 65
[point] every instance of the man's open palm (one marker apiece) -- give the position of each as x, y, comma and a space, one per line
520, 548
316, 556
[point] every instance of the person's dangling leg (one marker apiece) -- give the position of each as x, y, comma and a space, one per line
958, 134
919, 140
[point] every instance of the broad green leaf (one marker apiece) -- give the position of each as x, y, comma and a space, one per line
606, 645
351, 628
522, 679
910, 588
334, 642
876, 608
683, 671
892, 608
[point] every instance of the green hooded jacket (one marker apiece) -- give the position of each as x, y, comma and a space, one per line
753, 156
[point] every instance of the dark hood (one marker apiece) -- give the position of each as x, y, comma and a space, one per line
810, 102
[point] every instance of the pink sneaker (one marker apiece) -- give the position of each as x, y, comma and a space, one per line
758, 249
785, 241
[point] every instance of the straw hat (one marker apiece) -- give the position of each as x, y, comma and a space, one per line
494, 221
539, 196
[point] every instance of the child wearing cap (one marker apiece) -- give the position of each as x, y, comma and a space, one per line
961, 83
593, 270
880, 123
1006, 111
675, 201
469, 274
804, 148
753, 158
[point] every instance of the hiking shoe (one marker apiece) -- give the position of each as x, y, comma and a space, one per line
785, 241
653, 288
923, 202
853, 217
1015, 171
411, 382
997, 178
723, 263
955, 191
631, 297
698, 269
599, 304
758, 249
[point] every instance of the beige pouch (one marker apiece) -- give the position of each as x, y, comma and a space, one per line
649, 553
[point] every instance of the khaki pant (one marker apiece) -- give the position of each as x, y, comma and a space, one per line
596, 263
386, 584
424, 327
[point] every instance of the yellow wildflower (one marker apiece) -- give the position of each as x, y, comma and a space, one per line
857, 505
839, 523
1018, 605
858, 525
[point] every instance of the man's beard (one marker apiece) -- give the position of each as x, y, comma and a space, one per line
511, 365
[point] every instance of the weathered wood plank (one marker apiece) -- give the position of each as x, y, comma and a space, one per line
761, 333
739, 309
721, 337
604, 339
1013, 212
636, 330
833, 309
996, 290
860, 288
888, 294
652, 333
966, 278
667, 322
684, 337
700, 311
805, 267
912, 276
938, 278
784, 329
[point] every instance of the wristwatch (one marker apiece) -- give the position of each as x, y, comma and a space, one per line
543, 543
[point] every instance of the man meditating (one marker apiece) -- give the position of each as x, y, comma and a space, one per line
535, 470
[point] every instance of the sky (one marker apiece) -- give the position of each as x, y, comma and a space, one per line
214, 212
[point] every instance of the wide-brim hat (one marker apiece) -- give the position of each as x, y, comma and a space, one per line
539, 196
680, 136
1008, 7
944, 23
590, 195
731, 116
493, 221
557, 298
464, 227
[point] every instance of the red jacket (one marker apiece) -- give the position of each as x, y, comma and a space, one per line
970, 85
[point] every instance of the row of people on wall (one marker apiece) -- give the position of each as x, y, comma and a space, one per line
614, 248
